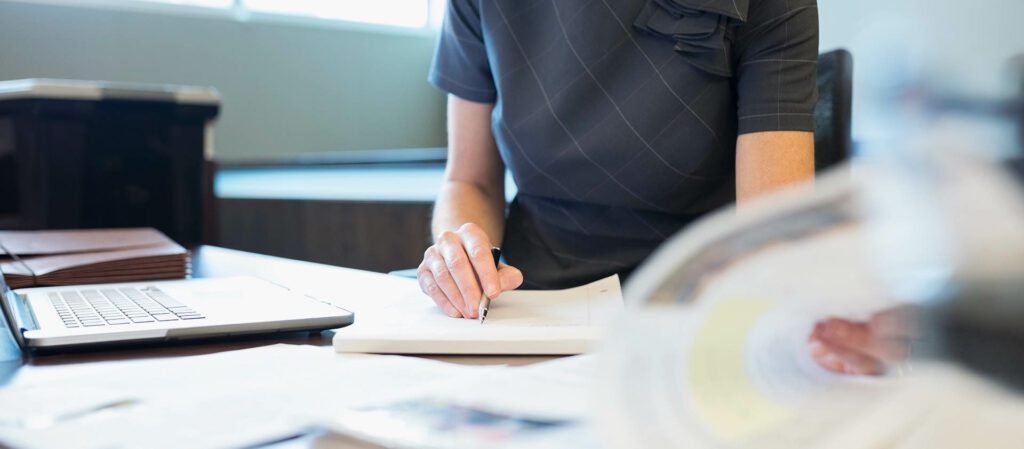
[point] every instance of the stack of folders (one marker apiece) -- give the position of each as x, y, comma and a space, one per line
42, 258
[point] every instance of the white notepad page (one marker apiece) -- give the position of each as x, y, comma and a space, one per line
552, 322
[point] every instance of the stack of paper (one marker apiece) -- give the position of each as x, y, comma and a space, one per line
41, 258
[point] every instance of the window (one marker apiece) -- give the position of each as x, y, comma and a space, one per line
207, 3
411, 14
404, 13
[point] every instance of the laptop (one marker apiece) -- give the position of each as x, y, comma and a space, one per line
52, 318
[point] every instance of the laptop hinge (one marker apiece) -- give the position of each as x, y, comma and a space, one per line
19, 311
15, 314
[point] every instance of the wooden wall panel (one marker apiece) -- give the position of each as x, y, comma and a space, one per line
366, 235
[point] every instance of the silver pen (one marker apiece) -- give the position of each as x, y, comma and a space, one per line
485, 302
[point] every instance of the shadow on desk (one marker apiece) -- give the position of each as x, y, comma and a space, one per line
175, 349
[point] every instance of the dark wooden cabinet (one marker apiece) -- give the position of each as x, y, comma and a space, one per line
97, 156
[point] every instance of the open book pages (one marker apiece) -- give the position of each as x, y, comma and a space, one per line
556, 322
713, 351
732, 373
736, 374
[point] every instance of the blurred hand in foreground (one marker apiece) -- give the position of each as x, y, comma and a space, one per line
863, 347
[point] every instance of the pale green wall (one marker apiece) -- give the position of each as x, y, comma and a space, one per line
287, 88
293, 88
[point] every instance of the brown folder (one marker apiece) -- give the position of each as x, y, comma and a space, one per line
40, 258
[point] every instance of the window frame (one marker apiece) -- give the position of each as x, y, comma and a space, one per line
237, 12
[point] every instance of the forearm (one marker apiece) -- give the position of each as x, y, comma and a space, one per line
474, 180
769, 161
460, 202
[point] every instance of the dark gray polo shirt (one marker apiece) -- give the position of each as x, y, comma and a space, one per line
618, 118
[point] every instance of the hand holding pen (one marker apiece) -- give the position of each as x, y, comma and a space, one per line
459, 271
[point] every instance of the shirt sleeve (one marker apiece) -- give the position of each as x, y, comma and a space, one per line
460, 64
777, 62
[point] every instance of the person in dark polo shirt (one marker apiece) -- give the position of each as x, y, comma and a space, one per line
621, 121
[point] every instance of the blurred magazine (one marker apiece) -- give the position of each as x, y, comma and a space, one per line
713, 352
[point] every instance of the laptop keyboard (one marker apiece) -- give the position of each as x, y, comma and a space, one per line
117, 306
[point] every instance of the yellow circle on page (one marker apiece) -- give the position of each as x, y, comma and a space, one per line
730, 406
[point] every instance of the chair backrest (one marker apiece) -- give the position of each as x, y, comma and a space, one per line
832, 141
1020, 107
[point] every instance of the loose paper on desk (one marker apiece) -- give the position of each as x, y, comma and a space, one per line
566, 321
229, 399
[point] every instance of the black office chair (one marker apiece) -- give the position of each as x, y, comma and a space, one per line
1016, 163
832, 141
1020, 109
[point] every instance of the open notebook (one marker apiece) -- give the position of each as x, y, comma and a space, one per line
552, 322
41, 258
